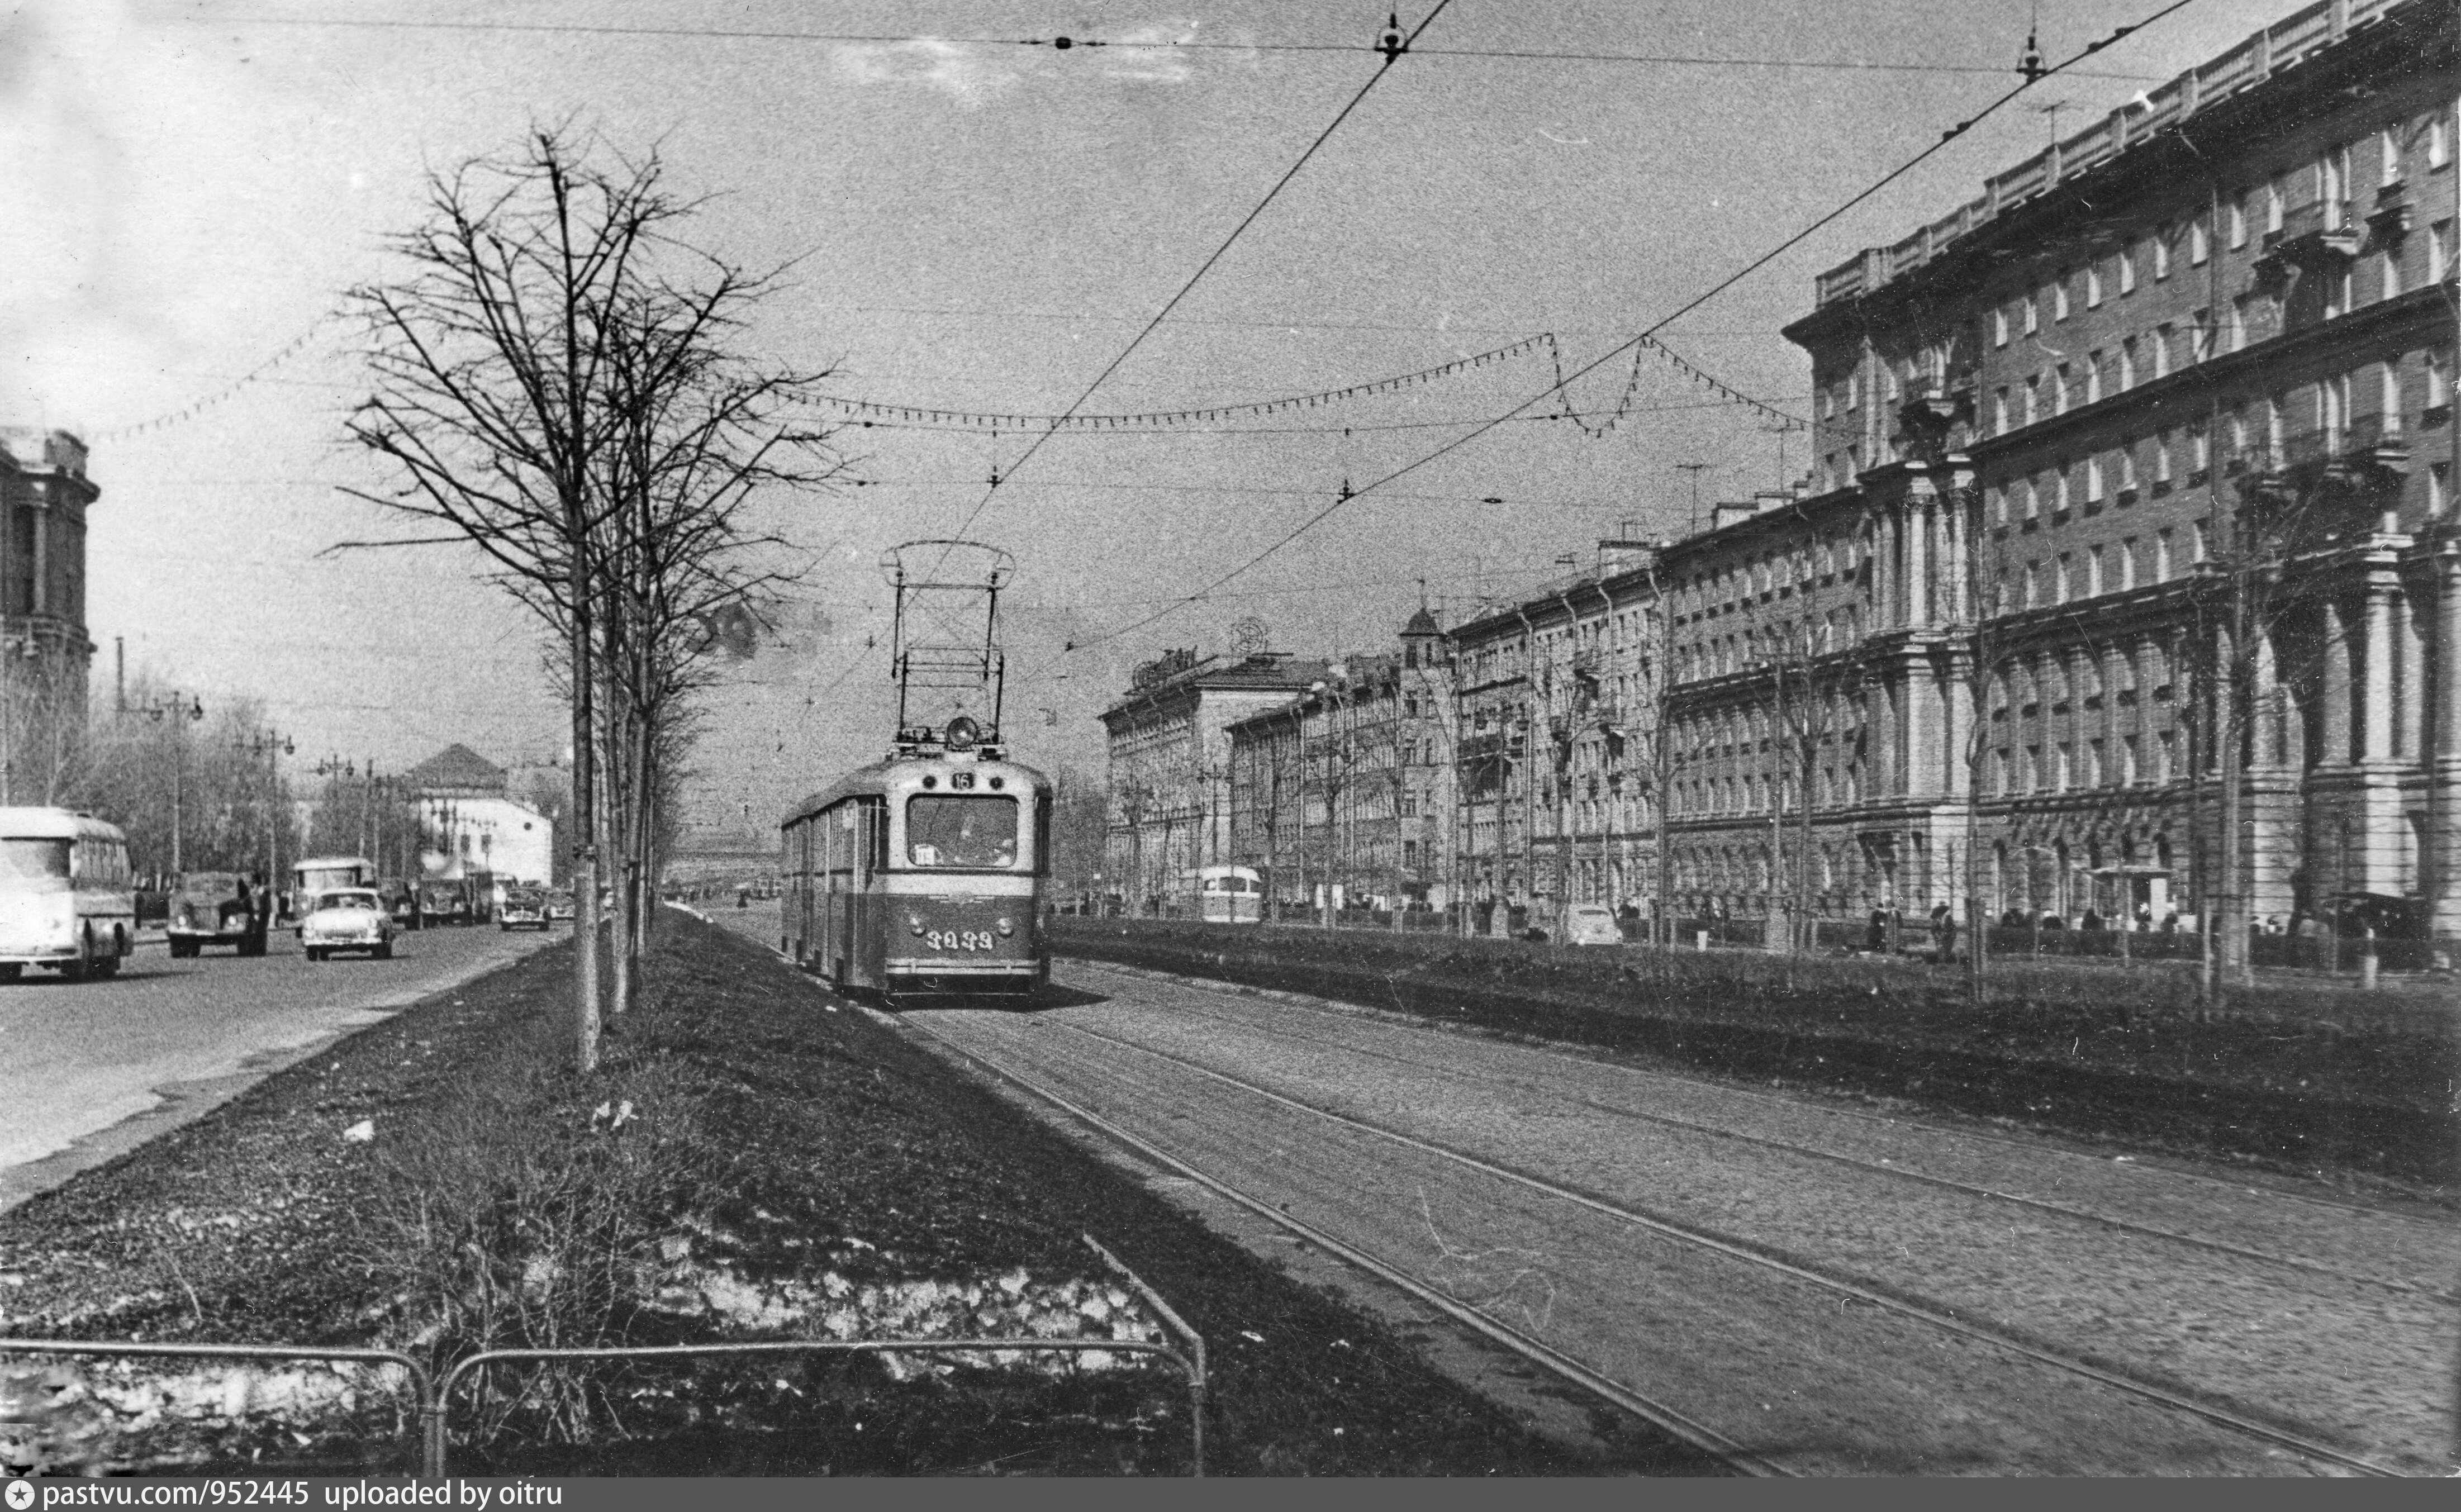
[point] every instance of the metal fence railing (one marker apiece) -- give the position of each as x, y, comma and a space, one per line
434, 1396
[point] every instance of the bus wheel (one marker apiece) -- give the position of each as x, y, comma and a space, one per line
75, 970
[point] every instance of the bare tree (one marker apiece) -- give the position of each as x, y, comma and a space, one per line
553, 382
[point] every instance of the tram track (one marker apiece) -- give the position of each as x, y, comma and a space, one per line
1663, 1415
1880, 1168
1399, 1019
1793, 1267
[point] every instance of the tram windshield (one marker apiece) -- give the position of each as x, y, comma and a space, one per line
973, 829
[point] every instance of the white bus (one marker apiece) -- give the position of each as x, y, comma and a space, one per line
1231, 895
317, 874
67, 901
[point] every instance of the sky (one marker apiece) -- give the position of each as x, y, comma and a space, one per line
966, 223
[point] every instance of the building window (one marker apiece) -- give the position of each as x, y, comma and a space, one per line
2200, 235
2391, 274
2200, 336
2060, 490
2127, 564
2163, 336
2093, 286
2033, 497
1999, 326
2162, 457
2094, 764
2127, 267
2162, 555
2200, 450
2161, 252
2128, 365
2388, 142
1998, 499
2033, 311
2238, 322
2059, 383
2033, 398
2439, 488
2093, 573
2438, 139
2439, 389
2032, 582
2093, 479
2237, 222
2060, 297
2333, 186
2066, 775
2000, 412
2439, 251
2127, 772
2061, 586
2127, 465
2277, 190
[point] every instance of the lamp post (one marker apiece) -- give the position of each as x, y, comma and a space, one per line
193, 712
272, 745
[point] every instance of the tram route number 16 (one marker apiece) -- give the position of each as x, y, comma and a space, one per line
958, 940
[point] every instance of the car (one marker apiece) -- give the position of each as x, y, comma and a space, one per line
524, 909
1590, 923
559, 905
347, 919
215, 907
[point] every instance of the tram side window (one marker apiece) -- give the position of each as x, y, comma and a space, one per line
975, 830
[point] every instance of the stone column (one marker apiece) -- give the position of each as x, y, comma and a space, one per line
2338, 651
2375, 733
2443, 884
39, 600
1919, 594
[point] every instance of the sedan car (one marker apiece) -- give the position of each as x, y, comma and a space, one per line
559, 905
1590, 923
214, 907
347, 919
524, 909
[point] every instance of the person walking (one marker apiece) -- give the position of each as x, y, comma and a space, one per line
1943, 932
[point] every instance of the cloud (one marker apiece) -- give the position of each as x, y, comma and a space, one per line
956, 69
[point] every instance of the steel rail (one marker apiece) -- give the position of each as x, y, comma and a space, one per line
1814, 1152
1668, 1420
1334, 1008
1673, 1228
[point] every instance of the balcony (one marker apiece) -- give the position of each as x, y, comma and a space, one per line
2319, 237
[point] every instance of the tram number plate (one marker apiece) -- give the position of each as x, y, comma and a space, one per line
958, 940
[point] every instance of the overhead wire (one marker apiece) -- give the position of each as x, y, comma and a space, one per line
1206, 266
1063, 44
1348, 493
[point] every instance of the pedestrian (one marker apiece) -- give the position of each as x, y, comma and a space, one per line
1943, 932
2171, 922
2013, 919
2092, 922
1876, 938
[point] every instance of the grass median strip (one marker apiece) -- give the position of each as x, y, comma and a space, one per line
749, 1163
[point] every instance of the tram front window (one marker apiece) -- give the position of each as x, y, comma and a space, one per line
972, 830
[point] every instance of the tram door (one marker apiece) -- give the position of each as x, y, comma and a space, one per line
867, 907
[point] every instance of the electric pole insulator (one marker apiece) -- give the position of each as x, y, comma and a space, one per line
1392, 44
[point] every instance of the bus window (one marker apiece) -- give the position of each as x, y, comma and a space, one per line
971, 829
33, 860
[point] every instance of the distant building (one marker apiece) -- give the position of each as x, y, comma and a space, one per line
1169, 769
44, 496
469, 821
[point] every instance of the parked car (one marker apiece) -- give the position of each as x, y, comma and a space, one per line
559, 905
347, 919
1590, 923
215, 907
525, 908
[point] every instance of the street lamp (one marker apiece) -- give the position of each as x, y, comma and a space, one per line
272, 745
171, 708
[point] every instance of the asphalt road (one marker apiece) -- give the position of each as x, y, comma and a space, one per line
89, 1070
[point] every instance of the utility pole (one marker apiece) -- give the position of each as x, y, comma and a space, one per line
1695, 469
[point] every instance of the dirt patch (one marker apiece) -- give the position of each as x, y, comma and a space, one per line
750, 1162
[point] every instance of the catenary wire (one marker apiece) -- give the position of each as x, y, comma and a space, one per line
1696, 301
1206, 266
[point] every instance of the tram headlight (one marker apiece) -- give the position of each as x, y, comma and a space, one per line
914, 924
1007, 927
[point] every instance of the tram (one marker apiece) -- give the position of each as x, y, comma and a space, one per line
923, 872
